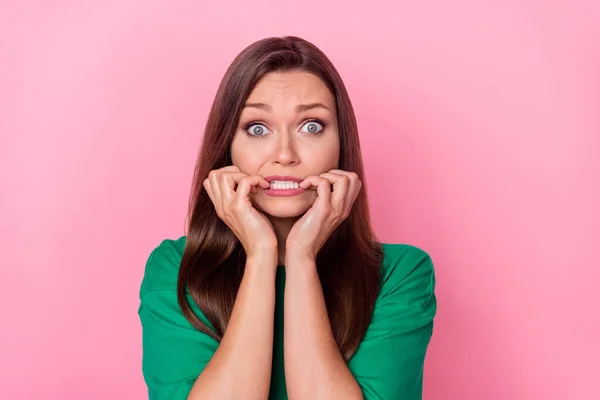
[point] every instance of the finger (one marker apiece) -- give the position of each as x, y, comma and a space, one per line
339, 195
355, 183
206, 185
322, 185
324, 194
215, 200
213, 178
348, 187
228, 184
249, 183
310, 182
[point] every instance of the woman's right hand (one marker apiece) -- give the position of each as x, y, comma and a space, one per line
229, 190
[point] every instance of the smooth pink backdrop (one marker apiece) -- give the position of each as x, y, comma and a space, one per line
480, 132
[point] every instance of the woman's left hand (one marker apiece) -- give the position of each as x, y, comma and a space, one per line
329, 210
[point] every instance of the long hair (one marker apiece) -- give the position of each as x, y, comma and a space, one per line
349, 263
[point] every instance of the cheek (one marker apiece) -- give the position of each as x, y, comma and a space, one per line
245, 157
244, 162
334, 158
328, 156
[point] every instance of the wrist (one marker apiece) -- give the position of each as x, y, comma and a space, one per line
301, 275
264, 260
262, 253
297, 254
300, 263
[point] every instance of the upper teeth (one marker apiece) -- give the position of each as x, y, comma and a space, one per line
284, 185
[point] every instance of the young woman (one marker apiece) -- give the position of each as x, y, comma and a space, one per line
280, 289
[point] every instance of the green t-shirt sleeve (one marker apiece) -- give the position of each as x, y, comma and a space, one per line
174, 352
389, 362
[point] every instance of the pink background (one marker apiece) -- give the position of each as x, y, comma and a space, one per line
480, 131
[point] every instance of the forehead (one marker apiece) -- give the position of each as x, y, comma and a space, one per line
281, 89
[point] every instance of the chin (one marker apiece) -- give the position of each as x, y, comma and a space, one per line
283, 208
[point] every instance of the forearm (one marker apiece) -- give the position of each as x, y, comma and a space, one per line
241, 366
314, 367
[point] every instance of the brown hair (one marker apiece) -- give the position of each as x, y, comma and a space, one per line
349, 264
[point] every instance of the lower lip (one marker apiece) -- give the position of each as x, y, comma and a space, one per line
284, 192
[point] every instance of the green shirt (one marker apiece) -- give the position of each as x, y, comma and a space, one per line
387, 365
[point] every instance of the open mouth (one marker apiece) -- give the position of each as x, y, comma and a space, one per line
284, 188
283, 185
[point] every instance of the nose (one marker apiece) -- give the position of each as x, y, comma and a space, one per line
285, 151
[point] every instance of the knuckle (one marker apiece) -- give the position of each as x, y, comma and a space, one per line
224, 180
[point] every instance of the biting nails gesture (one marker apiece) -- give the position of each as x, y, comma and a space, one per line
330, 209
229, 190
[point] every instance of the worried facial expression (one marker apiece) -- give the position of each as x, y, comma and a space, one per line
287, 131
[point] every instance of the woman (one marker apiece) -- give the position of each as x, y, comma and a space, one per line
278, 200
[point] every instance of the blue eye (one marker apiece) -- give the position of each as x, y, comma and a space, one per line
313, 127
257, 129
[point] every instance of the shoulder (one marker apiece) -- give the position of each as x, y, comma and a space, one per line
407, 275
162, 266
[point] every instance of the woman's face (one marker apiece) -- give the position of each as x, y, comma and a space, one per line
288, 127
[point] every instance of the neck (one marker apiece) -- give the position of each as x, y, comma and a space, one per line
282, 228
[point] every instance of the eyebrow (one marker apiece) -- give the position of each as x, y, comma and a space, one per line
300, 108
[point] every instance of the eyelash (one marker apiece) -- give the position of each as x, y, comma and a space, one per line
249, 124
